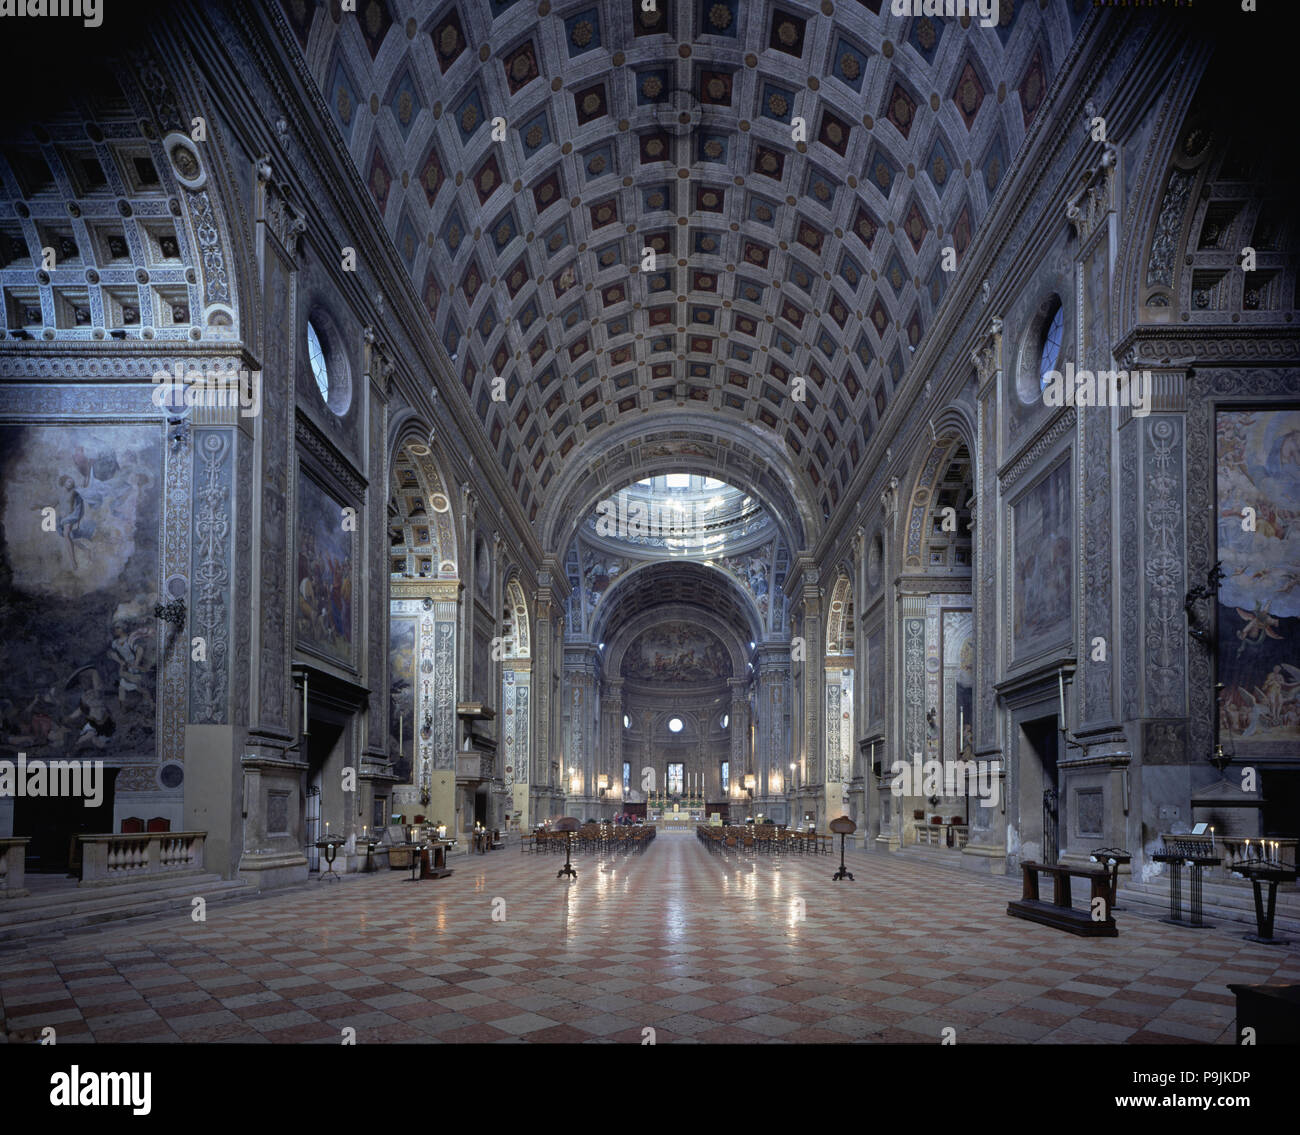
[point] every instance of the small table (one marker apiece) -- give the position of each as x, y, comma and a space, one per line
331, 848
1272, 874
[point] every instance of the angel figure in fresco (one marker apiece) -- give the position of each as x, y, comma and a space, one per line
1239, 711
1259, 624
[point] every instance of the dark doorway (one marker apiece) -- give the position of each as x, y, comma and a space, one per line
1281, 792
481, 804
324, 735
1043, 742
52, 821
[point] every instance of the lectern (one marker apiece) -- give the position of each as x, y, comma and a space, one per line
568, 825
843, 826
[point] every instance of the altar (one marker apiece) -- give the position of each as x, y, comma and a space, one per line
675, 815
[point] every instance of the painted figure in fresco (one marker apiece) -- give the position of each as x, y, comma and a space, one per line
1258, 624
1279, 691
128, 649
69, 515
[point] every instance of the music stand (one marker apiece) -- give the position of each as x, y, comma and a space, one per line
843, 826
568, 825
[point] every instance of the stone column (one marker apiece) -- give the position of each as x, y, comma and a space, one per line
888, 805
812, 792
774, 752
582, 716
545, 752
742, 760
986, 849
611, 745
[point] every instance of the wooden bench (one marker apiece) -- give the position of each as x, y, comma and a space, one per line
1059, 912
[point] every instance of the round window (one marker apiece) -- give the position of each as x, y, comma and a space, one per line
319, 367
675, 725
329, 364
1050, 351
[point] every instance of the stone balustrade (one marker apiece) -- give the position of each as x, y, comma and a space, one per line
122, 858
13, 850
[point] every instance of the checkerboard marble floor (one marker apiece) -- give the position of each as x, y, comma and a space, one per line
697, 947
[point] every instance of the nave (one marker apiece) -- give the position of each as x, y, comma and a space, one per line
695, 946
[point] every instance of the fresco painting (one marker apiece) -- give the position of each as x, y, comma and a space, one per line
401, 694
79, 553
676, 652
324, 617
1258, 462
1042, 559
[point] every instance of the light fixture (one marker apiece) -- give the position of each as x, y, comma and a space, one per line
602, 783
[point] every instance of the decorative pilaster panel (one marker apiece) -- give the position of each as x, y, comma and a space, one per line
1129, 647
377, 569
444, 684
275, 426
516, 690
834, 757
1164, 623
738, 727
211, 574
913, 677
812, 675
1096, 599
985, 584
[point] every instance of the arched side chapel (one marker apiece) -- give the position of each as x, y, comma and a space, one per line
382, 592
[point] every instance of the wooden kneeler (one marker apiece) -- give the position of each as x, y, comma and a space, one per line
1059, 912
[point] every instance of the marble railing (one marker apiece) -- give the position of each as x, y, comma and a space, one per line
13, 849
123, 858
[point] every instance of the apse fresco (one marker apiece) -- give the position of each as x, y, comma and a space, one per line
324, 619
676, 652
1042, 557
78, 583
401, 694
1258, 453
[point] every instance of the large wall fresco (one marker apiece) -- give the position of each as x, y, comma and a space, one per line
401, 694
1258, 453
78, 583
325, 571
1042, 563
676, 652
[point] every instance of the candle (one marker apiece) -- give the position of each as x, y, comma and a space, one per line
961, 730
1060, 685
401, 734
1211, 839
304, 701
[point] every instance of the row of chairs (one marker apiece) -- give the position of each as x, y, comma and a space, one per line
763, 839
599, 839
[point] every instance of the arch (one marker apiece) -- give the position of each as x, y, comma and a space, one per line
516, 628
420, 506
179, 227
699, 585
839, 617
629, 631
744, 459
932, 466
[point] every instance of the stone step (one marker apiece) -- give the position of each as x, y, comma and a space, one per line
46, 891
110, 905
1220, 903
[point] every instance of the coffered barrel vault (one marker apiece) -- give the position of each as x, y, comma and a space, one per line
798, 172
